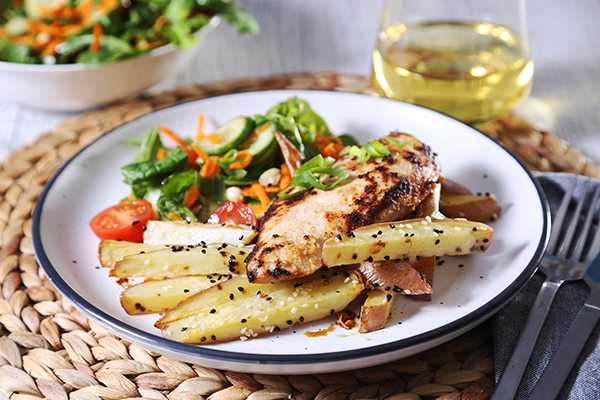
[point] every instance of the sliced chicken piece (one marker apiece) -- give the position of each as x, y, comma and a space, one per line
292, 233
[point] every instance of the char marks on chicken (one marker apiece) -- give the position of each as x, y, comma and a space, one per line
293, 230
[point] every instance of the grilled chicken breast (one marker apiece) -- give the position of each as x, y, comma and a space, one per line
292, 232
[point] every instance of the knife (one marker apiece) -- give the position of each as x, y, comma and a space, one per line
566, 355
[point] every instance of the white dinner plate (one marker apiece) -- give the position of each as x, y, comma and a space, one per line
466, 290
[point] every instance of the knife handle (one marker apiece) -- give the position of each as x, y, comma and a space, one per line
513, 372
565, 357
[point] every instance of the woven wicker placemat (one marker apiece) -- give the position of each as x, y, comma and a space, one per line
48, 349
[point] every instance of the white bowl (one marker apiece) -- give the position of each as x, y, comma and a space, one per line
76, 87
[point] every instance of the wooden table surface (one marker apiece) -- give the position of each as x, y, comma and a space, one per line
339, 35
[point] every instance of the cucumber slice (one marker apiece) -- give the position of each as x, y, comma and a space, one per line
232, 133
261, 144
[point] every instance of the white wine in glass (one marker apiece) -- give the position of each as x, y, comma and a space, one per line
472, 71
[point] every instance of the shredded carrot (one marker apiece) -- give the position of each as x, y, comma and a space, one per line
248, 192
199, 131
214, 138
243, 155
261, 193
28, 40
182, 143
192, 156
50, 49
42, 27
210, 167
286, 177
192, 195
96, 34
330, 151
174, 216
84, 8
161, 153
272, 189
160, 22
68, 13
200, 153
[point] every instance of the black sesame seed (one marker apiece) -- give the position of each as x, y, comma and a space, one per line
134, 223
213, 311
339, 237
183, 329
474, 229
301, 319
388, 297
203, 339
386, 258
289, 322
240, 288
386, 288
354, 256
485, 240
437, 241
370, 259
186, 290
213, 337
231, 296
244, 320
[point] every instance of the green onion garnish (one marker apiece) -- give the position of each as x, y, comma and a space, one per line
400, 143
311, 175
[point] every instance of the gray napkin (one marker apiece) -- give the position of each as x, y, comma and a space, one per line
584, 380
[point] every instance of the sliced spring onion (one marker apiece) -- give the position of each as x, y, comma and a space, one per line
437, 215
399, 142
311, 174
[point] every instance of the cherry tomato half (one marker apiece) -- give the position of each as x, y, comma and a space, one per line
124, 221
234, 213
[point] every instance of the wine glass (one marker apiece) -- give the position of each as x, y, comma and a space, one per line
469, 59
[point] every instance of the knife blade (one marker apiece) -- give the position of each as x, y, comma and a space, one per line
561, 364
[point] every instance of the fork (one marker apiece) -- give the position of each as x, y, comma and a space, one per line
564, 261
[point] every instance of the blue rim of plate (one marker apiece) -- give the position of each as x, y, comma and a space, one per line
122, 329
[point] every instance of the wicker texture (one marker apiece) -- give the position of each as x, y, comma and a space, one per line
48, 349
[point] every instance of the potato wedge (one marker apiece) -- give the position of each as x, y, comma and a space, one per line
156, 296
181, 232
474, 208
430, 203
237, 309
452, 187
425, 266
111, 251
183, 260
408, 238
375, 311
394, 277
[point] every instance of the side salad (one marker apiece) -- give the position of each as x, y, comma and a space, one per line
103, 31
230, 175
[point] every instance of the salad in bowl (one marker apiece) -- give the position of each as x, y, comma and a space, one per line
71, 55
